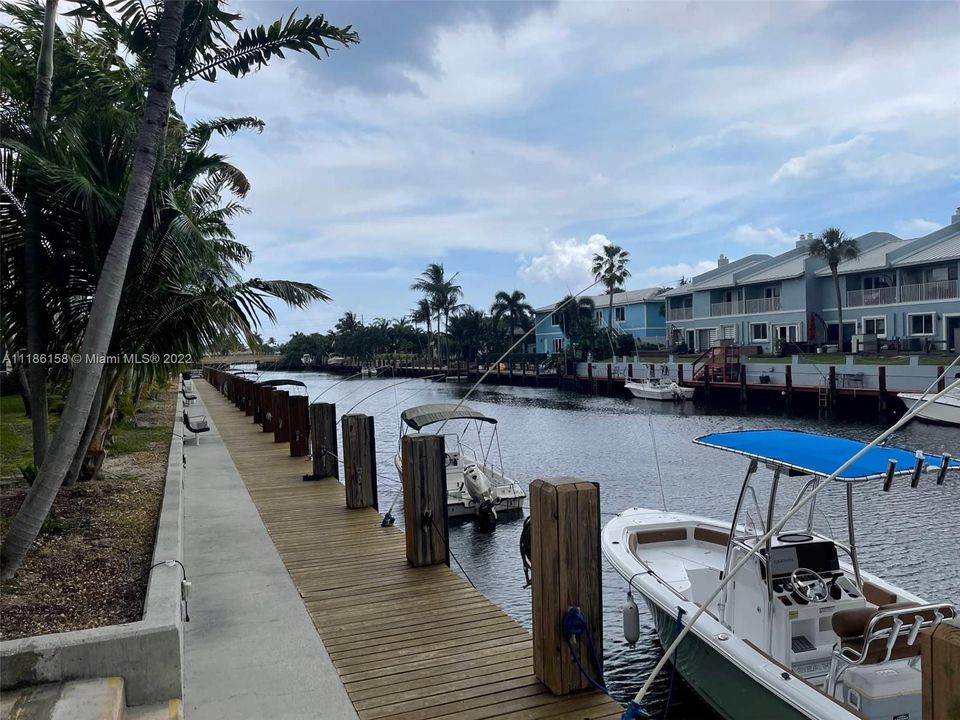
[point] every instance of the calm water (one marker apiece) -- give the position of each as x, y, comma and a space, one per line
908, 536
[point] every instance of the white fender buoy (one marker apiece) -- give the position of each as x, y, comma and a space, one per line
631, 621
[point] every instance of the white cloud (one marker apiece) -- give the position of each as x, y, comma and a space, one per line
763, 237
895, 168
564, 261
816, 161
917, 227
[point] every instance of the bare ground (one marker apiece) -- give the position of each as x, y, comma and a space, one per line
89, 565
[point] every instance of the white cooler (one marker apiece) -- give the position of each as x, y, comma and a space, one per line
885, 692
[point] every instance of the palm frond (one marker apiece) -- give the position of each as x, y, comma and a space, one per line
255, 47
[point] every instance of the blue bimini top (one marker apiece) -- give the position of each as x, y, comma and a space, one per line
819, 455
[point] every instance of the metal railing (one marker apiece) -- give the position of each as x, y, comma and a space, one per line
748, 307
681, 313
939, 290
918, 292
873, 296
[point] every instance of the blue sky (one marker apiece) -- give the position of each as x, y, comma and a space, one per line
510, 140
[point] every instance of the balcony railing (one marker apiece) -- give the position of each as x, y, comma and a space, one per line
681, 313
748, 307
939, 290
761, 305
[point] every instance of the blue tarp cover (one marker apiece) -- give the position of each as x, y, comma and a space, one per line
817, 454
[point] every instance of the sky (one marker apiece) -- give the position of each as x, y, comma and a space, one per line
511, 140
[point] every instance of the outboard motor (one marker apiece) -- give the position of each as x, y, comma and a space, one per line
486, 521
484, 494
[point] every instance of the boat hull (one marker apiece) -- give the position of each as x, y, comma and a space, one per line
664, 393
941, 412
727, 689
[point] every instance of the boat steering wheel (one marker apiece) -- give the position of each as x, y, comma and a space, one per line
809, 585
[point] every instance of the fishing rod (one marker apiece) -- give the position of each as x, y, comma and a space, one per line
512, 348
634, 707
349, 377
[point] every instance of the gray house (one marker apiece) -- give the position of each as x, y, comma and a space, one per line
902, 292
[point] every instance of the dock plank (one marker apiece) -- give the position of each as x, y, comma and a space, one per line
411, 643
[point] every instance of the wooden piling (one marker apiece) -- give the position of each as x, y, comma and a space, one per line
940, 668
323, 441
882, 395
680, 374
629, 371
941, 379
359, 461
832, 392
299, 439
269, 421
565, 558
788, 390
743, 387
425, 499
281, 416
251, 393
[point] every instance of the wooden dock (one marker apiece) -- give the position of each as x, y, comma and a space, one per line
408, 643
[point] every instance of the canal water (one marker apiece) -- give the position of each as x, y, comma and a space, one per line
909, 535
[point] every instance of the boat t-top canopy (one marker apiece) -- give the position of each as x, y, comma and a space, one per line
423, 415
819, 455
283, 381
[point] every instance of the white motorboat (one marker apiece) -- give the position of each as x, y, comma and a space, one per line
476, 485
658, 389
798, 632
945, 410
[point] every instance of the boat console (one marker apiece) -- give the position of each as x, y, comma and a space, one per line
795, 607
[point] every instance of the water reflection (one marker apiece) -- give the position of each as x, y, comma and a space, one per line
908, 536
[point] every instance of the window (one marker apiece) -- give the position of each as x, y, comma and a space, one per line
558, 344
598, 316
921, 324
787, 333
771, 292
620, 313
875, 326
555, 319
758, 332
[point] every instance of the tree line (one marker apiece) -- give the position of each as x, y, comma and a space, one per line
116, 213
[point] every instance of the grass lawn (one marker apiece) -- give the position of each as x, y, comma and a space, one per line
16, 439
89, 565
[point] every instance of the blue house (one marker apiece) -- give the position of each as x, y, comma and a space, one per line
640, 313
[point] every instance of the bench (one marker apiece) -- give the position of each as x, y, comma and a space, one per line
188, 397
196, 425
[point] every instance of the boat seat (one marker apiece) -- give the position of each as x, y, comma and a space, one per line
646, 537
877, 595
851, 626
709, 535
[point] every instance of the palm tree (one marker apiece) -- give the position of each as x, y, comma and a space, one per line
422, 314
175, 51
610, 268
834, 246
512, 306
448, 301
576, 317
443, 295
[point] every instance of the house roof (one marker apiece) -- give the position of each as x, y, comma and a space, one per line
944, 244
718, 277
790, 264
874, 249
621, 298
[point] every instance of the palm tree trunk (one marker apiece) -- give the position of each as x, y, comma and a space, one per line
103, 312
836, 286
92, 420
34, 310
610, 326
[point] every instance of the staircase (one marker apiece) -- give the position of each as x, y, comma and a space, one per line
721, 364
97, 699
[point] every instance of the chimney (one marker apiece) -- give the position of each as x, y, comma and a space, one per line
722, 260
956, 217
